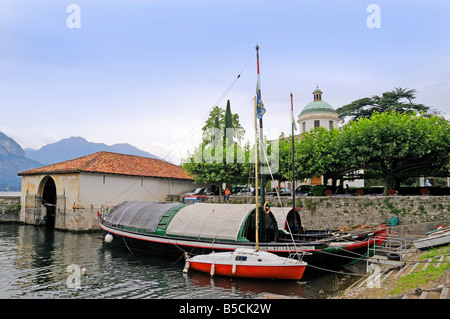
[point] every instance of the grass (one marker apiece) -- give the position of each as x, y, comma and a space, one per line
421, 277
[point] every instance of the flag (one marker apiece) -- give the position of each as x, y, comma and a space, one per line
292, 115
260, 110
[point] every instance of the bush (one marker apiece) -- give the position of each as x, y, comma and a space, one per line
318, 190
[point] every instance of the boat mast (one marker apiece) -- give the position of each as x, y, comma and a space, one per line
261, 138
293, 157
256, 182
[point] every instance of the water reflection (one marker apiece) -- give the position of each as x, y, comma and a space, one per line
34, 261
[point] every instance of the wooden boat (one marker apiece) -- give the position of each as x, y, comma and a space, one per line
174, 228
248, 263
435, 238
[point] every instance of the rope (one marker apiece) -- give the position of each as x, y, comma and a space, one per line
337, 272
123, 237
202, 120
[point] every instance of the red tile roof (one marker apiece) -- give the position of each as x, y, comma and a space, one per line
114, 163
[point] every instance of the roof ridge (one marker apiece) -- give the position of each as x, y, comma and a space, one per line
88, 163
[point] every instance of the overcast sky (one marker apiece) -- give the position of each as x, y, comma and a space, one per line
148, 72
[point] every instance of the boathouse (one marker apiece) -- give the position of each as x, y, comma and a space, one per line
68, 195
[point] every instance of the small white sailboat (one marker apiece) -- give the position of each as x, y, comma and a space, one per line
248, 263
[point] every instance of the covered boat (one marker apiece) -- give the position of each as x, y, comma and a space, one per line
171, 228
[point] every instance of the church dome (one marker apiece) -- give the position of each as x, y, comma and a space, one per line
317, 105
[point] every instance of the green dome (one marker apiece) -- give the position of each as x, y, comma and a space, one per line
317, 106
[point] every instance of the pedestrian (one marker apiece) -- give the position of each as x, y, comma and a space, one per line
226, 197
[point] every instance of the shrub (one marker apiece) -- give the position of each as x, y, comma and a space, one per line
425, 191
360, 192
318, 190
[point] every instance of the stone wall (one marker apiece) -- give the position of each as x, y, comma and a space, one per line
9, 209
352, 211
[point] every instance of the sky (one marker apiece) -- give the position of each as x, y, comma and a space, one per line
148, 73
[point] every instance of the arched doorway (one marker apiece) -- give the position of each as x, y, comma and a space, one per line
49, 201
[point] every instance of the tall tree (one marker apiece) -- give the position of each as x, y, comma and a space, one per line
391, 146
215, 161
398, 100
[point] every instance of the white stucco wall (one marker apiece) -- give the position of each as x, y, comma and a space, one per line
108, 189
80, 196
323, 117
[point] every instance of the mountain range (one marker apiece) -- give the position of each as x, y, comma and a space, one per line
73, 147
14, 159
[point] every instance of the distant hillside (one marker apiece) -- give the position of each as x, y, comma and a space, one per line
73, 147
12, 161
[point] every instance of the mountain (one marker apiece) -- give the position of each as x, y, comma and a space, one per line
73, 147
12, 161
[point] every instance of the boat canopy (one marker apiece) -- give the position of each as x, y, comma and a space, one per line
234, 222
287, 219
205, 220
138, 215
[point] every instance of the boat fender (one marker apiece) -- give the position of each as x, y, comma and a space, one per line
233, 270
186, 267
109, 238
213, 268
266, 210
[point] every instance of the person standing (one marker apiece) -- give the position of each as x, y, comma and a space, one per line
226, 197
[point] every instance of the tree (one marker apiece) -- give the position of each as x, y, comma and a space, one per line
398, 100
219, 159
398, 145
390, 146
222, 119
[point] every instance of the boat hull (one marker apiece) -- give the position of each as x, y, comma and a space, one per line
317, 254
294, 272
435, 240
248, 263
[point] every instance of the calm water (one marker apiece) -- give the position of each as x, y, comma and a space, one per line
34, 262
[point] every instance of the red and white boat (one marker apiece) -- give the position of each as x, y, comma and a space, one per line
247, 263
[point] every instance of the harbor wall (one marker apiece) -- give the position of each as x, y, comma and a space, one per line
416, 214
9, 208
352, 211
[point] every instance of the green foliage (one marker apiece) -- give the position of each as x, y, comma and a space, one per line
318, 190
398, 100
390, 146
218, 159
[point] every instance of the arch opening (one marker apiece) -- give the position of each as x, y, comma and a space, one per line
49, 202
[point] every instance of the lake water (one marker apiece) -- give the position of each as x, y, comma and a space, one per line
34, 263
